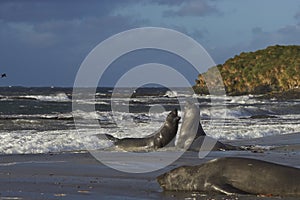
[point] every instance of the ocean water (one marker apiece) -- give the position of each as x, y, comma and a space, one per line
40, 120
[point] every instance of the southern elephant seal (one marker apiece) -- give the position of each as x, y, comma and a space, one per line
192, 135
158, 139
234, 176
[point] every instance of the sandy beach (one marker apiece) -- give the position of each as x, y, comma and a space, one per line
78, 175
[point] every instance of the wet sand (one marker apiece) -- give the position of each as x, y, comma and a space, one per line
78, 175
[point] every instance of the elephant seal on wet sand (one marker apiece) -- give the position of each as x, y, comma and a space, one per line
158, 139
234, 176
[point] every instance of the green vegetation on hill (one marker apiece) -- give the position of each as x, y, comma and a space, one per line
274, 69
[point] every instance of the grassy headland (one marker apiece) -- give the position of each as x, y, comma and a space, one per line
274, 70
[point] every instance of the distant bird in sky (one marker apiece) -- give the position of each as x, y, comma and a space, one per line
3, 75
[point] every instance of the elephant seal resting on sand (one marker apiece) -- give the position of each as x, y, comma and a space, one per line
158, 139
234, 176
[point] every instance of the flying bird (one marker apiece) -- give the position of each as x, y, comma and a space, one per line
3, 75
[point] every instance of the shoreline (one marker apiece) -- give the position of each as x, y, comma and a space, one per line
292, 94
78, 175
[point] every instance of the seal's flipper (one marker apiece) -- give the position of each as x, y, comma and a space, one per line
226, 189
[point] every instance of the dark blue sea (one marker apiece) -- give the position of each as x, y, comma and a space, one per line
40, 120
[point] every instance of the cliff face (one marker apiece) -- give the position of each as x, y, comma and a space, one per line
274, 69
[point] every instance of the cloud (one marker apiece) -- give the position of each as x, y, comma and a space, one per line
45, 24
287, 35
199, 34
193, 8
37, 11
168, 2
297, 15
48, 39
43, 45
257, 30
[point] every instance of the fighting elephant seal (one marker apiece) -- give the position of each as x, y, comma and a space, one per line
192, 135
234, 176
190, 126
158, 139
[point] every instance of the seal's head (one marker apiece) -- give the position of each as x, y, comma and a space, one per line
173, 117
176, 179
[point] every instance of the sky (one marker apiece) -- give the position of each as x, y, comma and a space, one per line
44, 42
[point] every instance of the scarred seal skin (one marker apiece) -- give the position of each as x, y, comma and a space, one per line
158, 139
234, 176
